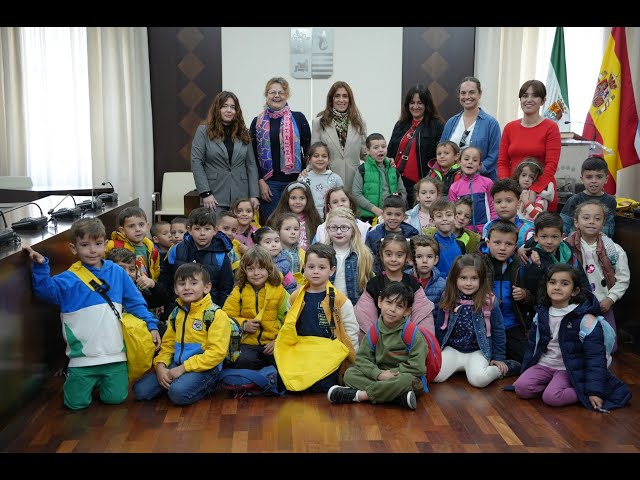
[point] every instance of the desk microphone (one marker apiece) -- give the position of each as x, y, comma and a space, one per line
29, 223
109, 197
7, 234
94, 204
595, 131
63, 213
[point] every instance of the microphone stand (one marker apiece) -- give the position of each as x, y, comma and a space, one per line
29, 223
66, 212
92, 204
109, 197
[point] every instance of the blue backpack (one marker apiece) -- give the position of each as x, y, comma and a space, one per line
607, 330
243, 381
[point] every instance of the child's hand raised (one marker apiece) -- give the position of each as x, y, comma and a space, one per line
35, 256
143, 281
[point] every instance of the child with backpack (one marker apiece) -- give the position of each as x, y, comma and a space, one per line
91, 322
565, 361
603, 260
189, 360
259, 303
469, 326
389, 371
394, 252
132, 235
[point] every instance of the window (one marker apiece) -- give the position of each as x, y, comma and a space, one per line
56, 105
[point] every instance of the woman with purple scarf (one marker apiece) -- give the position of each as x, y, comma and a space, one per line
281, 139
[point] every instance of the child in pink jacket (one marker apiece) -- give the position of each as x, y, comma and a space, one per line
476, 186
394, 252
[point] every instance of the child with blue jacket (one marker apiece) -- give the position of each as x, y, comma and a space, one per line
92, 331
565, 361
425, 253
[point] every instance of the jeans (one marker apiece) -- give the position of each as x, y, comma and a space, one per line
267, 208
185, 390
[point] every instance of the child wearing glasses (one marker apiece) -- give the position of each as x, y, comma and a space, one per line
354, 261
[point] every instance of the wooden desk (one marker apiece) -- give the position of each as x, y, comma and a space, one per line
34, 193
31, 344
627, 235
191, 201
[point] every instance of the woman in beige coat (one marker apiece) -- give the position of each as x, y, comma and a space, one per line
341, 127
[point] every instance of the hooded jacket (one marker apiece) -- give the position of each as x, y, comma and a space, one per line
586, 362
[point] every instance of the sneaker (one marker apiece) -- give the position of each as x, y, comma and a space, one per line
407, 400
514, 368
338, 394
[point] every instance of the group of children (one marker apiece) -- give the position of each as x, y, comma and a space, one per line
464, 263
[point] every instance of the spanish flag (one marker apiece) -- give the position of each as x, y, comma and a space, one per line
613, 116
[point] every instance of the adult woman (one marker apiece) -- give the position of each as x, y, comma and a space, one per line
222, 158
474, 127
280, 139
532, 136
415, 137
341, 127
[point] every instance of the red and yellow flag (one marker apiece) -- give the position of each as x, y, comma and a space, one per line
613, 114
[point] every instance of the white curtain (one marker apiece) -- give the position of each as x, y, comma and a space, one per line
121, 120
505, 58
13, 146
76, 108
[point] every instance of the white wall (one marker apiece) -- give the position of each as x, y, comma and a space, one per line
368, 59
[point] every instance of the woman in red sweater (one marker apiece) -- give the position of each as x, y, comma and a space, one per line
534, 136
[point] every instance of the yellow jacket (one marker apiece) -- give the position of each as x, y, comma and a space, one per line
191, 343
304, 360
269, 305
154, 254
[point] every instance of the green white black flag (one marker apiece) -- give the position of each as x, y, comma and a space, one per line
556, 107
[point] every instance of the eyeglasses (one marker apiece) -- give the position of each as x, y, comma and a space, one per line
463, 139
273, 93
342, 228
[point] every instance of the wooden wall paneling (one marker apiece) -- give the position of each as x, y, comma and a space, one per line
438, 57
186, 73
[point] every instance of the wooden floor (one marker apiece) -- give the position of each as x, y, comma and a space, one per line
453, 417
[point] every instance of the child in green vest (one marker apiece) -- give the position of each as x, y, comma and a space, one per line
376, 179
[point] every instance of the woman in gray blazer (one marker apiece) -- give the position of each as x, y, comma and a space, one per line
341, 127
222, 160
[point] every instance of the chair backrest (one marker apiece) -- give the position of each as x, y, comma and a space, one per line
16, 182
174, 186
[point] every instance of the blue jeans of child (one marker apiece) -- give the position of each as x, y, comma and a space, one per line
185, 390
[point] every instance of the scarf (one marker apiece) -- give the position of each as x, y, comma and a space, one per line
601, 252
290, 152
341, 121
